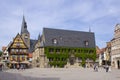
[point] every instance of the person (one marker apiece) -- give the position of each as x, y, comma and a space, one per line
107, 68
14, 66
22, 67
94, 67
97, 68
18, 66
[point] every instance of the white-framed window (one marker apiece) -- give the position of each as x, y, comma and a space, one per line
12, 50
20, 50
16, 50
55, 41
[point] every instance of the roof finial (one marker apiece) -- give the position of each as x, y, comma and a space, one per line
89, 29
39, 36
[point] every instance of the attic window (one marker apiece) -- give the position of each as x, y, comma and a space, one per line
86, 43
18, 44
54, 41
26, 37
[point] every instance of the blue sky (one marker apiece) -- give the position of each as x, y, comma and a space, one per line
100, 15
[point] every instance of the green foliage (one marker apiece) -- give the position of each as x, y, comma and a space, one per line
0, 53
60, 58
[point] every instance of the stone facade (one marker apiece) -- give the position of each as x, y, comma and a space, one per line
115, 47
55, 48
5, 55
59, 50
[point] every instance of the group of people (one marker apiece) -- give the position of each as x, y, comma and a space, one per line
107, 68
20, 67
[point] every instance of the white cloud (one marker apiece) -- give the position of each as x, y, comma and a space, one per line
66, 14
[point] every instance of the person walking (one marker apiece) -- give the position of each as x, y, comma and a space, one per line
107, 68
94, 67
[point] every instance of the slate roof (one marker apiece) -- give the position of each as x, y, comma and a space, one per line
32, 45
68, 38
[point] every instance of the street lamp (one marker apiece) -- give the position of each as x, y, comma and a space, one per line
109, 53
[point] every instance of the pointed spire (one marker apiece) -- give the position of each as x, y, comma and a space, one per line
39, 36
24, 26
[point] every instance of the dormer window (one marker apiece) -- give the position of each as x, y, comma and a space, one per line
86, 43
54, 41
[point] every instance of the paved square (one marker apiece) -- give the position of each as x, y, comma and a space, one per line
60, 74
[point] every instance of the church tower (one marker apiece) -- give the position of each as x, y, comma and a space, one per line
24, 33
117, 31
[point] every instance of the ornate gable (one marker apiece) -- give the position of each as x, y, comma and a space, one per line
18, 42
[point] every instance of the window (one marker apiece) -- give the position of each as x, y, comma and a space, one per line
26, 37
57, 50
24, 50
79, 51
54, 41
91, 51
50, 59
51, 50
86, 43
18, 58
16, 50
13, 57
20, 50
23, 58
18, 44
12, 50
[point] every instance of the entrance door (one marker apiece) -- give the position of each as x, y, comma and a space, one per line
118, 64
72, 59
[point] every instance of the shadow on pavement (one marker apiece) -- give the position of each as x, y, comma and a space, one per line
17, 76
33, 78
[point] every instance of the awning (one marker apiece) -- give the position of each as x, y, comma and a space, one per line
14, 62
25, 62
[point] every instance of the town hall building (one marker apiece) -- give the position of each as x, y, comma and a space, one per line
53, 48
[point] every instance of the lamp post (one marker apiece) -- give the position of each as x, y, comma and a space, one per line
109, 54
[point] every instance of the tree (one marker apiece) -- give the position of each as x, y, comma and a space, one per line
0, 53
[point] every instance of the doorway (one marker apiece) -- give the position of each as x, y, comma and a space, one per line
118, 64
72, 59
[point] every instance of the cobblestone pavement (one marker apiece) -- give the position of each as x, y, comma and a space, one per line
60, 74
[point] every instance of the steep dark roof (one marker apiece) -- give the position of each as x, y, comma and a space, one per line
39, 37
68, 38
24, 26
32, 45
